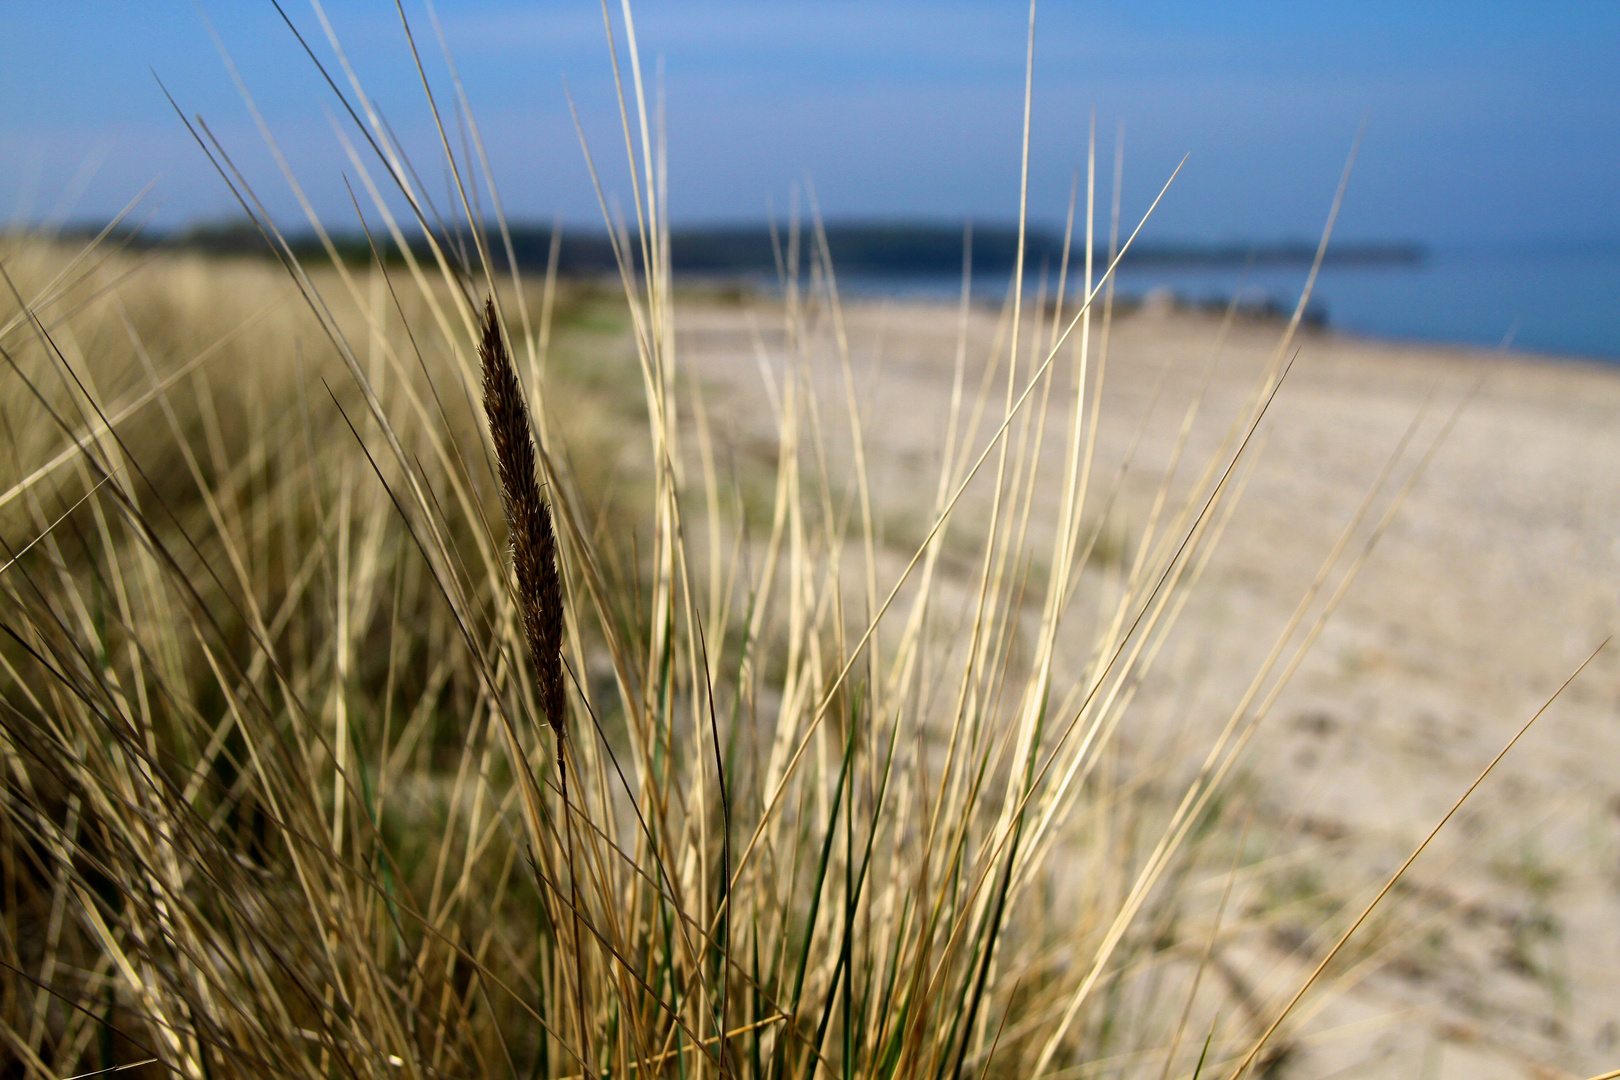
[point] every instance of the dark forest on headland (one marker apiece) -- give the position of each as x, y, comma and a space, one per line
902, 249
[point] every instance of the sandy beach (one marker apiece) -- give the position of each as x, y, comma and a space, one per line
1489, 572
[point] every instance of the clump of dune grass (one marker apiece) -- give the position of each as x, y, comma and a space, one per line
279, 799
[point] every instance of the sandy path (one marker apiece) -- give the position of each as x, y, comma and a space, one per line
1497, 577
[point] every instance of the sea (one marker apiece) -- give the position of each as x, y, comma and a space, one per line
1561, 299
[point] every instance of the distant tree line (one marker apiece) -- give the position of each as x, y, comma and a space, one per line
909, 249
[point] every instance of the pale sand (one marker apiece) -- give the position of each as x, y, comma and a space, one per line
1495, 580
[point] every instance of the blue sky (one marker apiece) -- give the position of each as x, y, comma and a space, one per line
1484, 121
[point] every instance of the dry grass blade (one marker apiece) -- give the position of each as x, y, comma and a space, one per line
1338, 946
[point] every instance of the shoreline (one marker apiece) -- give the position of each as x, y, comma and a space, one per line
856, 290
1376, 298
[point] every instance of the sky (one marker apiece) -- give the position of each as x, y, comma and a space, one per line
1483, 122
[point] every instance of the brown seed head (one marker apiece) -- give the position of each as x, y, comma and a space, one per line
528, 519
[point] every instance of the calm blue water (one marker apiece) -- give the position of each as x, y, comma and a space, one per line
1562, 299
